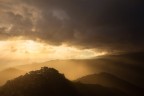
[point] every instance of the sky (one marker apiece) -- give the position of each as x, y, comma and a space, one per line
40, 30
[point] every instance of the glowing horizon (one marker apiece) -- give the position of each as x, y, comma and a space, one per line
34, 51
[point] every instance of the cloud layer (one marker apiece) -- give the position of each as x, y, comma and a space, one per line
102, 24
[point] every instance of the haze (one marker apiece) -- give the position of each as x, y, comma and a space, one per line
76, 37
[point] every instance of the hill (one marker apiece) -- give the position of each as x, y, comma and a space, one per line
44, 82
111, 81
127, 66
49, 82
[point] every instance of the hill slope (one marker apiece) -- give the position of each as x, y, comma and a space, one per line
111, 81
44, 82
127, 66
49, 82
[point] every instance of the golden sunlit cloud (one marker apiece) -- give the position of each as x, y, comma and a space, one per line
33, 51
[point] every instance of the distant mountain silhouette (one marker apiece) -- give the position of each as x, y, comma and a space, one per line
10, 73
49, 82
98, 90
111, 81
44, 82
127, 66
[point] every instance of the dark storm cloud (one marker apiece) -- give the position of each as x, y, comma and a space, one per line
102, 24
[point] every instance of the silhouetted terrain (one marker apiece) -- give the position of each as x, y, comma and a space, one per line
44, 82
127, 66
49, 82
111, 81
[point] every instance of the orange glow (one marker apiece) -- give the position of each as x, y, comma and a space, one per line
33, 51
